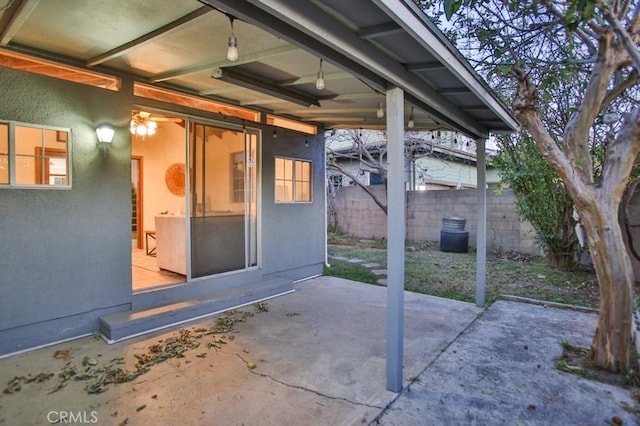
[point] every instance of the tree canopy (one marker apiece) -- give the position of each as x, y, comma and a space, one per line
570, 71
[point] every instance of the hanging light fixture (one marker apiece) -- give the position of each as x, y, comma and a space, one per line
380, 111
275, 132
411, 122
232, 50
141, 125
320, 78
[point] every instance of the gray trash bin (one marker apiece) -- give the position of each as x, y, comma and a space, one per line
453, 237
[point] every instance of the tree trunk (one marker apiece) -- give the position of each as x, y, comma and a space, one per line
561, 260
614, 336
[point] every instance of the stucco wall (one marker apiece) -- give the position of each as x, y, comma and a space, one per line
65, 252
359, 216
293, 234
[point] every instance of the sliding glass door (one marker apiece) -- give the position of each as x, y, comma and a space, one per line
224, 207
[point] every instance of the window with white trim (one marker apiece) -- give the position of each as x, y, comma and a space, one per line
34, 156
293, 181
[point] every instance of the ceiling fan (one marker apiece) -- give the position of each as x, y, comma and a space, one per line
144, 124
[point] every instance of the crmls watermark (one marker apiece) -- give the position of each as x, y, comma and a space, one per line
72, 417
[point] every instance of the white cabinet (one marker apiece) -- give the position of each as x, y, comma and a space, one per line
171, 243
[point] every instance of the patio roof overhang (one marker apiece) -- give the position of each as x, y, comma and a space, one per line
367, 46
374, 52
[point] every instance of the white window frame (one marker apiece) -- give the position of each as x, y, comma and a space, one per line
11, 156
293, 180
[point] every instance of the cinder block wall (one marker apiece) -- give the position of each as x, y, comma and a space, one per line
359, 216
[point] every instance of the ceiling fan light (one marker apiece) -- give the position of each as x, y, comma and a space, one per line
152, 125
141, 130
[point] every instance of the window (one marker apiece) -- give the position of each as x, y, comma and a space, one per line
375, 179
32, 155
293, 181
238, 177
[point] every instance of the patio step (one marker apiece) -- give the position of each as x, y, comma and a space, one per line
124, 325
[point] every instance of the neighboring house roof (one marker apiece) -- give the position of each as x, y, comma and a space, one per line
366, 47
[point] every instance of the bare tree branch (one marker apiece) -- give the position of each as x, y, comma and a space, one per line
621, 156
576, 133
337, 167
628, 41
631, 80
525, 109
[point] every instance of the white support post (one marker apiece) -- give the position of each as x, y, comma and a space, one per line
395, 237
481, 239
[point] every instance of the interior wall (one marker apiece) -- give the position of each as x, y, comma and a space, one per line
220, 147
158, 153
66, 252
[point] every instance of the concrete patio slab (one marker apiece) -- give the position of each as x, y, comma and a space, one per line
319, 356
501, 371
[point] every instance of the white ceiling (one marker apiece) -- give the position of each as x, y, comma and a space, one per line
366, 47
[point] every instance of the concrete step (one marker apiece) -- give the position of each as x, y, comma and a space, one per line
124, 325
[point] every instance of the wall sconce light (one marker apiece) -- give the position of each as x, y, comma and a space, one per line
411, 122
380, 111
105, 134
320, 79
232, 50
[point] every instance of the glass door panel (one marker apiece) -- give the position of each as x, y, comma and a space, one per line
223, 182
251, 197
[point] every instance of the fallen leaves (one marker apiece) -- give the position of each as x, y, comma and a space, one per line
99, 377
15, 384
65, 355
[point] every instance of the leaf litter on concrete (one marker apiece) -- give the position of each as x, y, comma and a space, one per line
99, 376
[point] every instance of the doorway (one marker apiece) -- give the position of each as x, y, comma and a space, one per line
136, 203
195, 216
158, 153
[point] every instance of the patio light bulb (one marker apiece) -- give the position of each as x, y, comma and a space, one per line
411, 122
232, 50
380, 111
320, 78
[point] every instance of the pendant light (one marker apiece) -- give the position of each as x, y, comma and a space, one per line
411, 122
320, 78
232, 50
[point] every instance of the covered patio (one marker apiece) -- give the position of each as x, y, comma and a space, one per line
317, 357
383, 65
